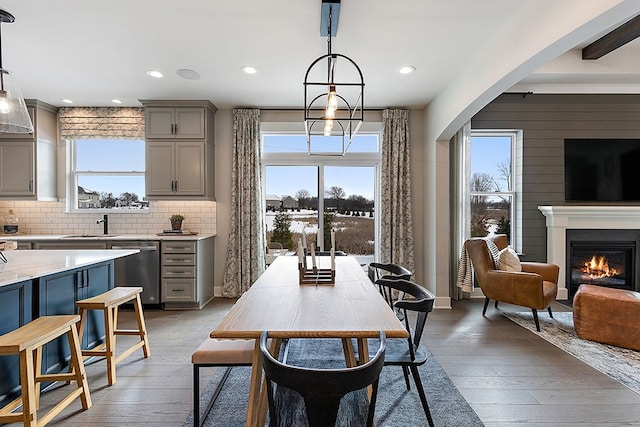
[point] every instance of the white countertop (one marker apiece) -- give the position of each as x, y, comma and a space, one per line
27, 265
67, 237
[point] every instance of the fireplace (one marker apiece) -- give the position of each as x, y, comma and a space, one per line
607, 258
605, 219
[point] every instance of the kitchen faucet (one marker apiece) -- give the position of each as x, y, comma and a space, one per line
105, 223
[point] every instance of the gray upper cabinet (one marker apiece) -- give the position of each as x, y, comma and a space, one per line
28, 161
16, 169
175, 169
180, 149
175, 123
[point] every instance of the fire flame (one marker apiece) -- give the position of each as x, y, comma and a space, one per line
598, 267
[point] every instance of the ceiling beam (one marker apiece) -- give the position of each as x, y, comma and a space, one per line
330, 10
622, 35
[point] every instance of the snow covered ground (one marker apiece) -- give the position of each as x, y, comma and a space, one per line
297, 226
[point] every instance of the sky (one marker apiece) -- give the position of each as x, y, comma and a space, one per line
121, 155
487, 152
287, 180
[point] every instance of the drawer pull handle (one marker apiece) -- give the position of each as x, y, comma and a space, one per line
178, 290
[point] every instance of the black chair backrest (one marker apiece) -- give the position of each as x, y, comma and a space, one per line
321, 389
378, 271
422, 303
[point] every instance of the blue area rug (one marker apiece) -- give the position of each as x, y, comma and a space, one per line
395, 406
621, 364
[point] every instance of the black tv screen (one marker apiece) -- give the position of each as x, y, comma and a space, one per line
602, 170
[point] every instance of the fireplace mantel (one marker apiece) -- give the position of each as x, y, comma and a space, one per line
561, 218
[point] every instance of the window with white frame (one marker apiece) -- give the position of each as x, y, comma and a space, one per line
318, 193
107, 174
492, 203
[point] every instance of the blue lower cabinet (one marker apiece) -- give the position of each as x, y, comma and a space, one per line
16, 309
58, 294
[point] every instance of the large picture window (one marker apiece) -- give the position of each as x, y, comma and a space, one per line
107, 174
311, 195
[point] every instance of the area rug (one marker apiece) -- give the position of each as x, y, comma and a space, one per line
621, 364
395, 405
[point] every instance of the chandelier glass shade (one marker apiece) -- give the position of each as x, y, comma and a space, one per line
14, 116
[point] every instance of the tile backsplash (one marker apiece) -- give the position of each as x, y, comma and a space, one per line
50, 218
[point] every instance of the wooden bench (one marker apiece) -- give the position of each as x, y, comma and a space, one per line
27, 342
219, 353
109, 302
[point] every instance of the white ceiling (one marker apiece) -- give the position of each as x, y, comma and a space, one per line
94, 51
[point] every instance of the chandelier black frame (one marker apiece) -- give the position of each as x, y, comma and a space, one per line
327, 110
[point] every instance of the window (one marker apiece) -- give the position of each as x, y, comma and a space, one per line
492, 190
318, 193
107, 174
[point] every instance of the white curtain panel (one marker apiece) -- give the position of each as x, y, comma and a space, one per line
246, 250
396, 237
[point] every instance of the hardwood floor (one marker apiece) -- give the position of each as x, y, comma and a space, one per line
508, 375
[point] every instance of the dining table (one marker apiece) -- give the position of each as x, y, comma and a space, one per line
350, 308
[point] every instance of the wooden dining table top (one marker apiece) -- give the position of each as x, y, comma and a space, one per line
350, 308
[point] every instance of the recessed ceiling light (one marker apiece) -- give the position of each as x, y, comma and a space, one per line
407, 69
188, 74
248, 69
155, 74
67, 101
116, 101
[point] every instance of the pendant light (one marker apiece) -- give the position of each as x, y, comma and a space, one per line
14, 116
334, 105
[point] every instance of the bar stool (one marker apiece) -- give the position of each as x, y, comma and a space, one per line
27, 342
109, 302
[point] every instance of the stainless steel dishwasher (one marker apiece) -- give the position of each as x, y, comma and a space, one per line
141, 269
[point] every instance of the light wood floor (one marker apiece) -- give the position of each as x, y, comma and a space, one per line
508, 375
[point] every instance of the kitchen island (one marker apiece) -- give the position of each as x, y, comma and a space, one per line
49, 282
174, 270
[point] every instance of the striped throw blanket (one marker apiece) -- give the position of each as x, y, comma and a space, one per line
465, 267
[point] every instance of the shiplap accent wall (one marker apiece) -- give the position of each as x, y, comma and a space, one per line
546, 120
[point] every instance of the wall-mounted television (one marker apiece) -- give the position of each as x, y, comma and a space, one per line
602, 170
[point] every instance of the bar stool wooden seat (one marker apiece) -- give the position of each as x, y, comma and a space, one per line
27, 342
109, 302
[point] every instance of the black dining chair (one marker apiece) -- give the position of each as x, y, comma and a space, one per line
321, 389
378, 271
410, 352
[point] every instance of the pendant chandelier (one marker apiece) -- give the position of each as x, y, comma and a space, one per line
14, 116
333, 94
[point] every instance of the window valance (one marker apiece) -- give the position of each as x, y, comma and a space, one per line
101, 122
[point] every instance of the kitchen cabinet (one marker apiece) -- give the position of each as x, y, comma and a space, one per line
183, 173
186, 273
28, 161
15, 310
57, 294
175, 123
180, 149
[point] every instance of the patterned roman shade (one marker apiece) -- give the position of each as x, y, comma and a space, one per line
101, 122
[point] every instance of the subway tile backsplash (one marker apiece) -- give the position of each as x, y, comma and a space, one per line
50, 218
